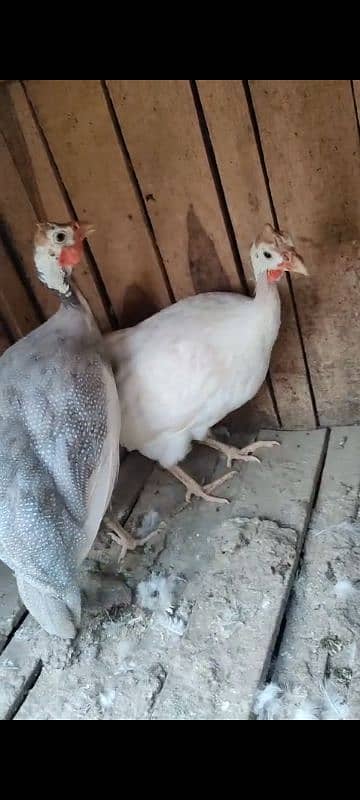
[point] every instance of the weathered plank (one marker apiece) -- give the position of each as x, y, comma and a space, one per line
170, 162
228, 572
20, 663
134, 472
19, 220
310, 140
159, 122
11, 608
21, 660
76, 122
4, 338
228, 119
16, 306
322, 637
42, 185
243, 586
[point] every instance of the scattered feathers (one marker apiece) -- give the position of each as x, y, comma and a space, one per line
149, 523
277, 703
345, 526
155, 594
344, 589
106, 699
268, 704
334, 706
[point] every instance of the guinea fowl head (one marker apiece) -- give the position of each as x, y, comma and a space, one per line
57, 249
273, 253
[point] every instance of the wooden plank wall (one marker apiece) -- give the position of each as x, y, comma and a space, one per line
179, 176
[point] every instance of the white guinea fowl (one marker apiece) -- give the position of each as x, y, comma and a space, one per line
184, 369
59, 441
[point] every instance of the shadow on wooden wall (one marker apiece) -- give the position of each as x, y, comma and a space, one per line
178, 177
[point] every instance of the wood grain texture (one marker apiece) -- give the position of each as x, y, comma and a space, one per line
160, 126
16, 306
230, 575
309, 137
231, 132
159, 122
309, 134
322, 633
4, 338
18, 221
42, 186
76, 122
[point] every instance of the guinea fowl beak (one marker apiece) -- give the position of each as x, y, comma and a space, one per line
293, 263
85, 229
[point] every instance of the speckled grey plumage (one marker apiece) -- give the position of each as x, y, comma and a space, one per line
54, 387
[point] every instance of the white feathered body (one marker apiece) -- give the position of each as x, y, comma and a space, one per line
184, 369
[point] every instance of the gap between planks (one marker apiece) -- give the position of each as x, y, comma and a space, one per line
253, 494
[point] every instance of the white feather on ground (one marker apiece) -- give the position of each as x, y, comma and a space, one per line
173, 624
156, 594
267, 703
293, 704
334, 706
307, 711
346, 526
344, 589
106, 699
149, 523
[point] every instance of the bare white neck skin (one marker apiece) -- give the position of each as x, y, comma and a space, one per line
51, 274
264, 289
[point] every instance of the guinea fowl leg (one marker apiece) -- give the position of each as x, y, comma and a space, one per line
126, 541
234, 454
194, 488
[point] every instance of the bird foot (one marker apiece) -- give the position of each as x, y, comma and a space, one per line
193, 488
235, 454
124, 539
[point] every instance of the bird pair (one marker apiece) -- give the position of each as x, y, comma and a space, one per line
69, 397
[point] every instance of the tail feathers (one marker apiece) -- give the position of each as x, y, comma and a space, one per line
59, 616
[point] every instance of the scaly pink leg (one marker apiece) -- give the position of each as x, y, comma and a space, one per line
124, 539
234, 454
194, 488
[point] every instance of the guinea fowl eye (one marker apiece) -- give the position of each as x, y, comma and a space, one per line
266, 254
60, 237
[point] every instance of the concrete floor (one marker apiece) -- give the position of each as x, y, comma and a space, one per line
223, 600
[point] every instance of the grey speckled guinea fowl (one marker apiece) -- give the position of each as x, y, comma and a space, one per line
59, 442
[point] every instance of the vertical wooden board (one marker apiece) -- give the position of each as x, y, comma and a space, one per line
15, 304
161, 130
41, 183
19, 220
356, 85
159, 122
76, 122
4, 338
11, 607
310, 139
228, 119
